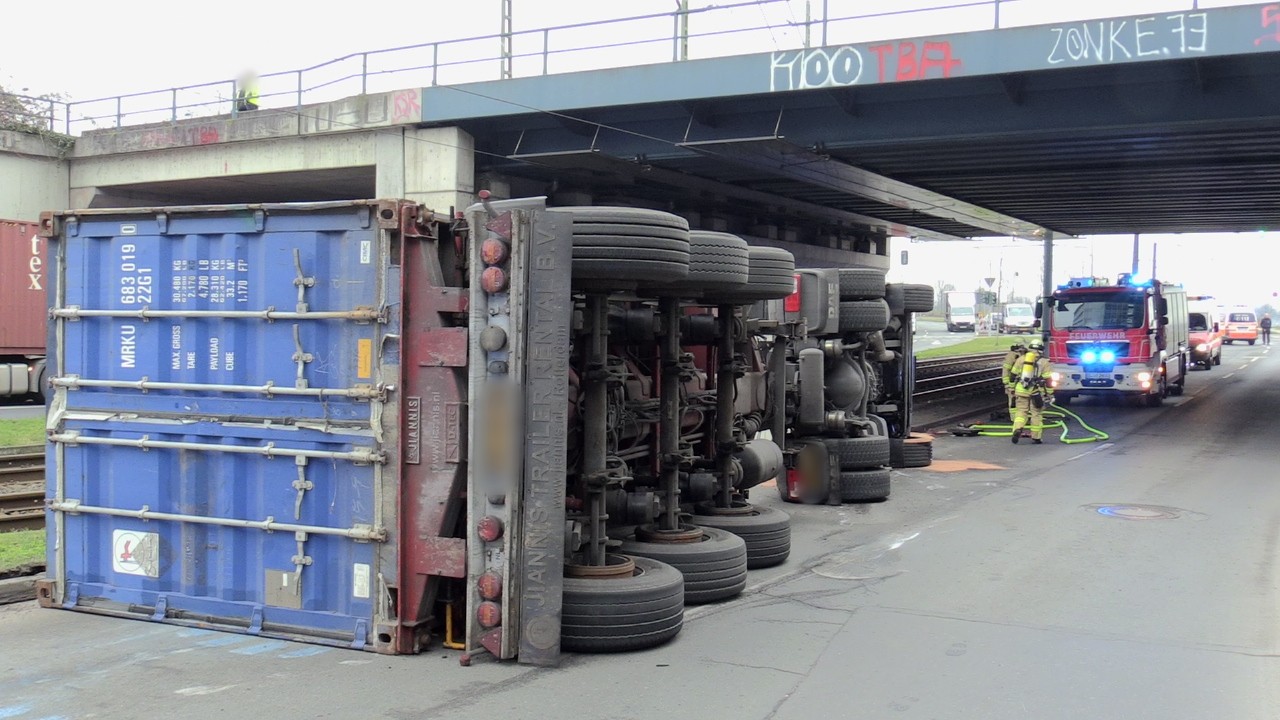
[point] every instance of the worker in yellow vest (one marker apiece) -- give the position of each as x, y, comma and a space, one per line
247, 92
1032, 392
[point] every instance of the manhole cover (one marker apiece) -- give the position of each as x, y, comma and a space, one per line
1137, 512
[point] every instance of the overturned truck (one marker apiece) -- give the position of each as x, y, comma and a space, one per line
517, 431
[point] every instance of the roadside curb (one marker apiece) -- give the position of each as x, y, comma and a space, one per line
18, 589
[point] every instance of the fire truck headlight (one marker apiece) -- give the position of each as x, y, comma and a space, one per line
1144, 377
1202, 347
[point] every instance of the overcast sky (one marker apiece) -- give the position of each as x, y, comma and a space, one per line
1234, 268
87, 49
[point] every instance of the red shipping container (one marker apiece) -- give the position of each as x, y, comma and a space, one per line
23, 307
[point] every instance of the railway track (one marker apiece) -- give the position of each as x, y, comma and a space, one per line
952, 377
22, 488
22, 469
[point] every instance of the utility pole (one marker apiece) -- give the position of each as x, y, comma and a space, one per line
1047, 297
1134, 270
683, 11
506, 39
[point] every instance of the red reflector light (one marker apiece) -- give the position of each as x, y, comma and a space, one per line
489, 614
489, 528
493, 251
493, 280
490, 585
792, 303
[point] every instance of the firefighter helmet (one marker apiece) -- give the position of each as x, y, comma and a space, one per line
1036, 346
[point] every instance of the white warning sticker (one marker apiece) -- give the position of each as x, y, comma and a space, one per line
360, 580
135, 553
366, 252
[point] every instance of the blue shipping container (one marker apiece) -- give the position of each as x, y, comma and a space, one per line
223, 432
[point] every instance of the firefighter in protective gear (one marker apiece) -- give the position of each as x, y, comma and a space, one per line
1032, 391
1011, 358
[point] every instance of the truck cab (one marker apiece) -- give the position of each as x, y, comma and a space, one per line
1127, 339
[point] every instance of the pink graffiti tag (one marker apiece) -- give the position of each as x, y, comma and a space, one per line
910, 62
407, 107
1270, 20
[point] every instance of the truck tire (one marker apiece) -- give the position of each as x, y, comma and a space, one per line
621, 614
864, 316
714, 569
716, 260
770, 276
861, 284
917, 298
860, 452
588, 215
864, 485
765, 530
913, 451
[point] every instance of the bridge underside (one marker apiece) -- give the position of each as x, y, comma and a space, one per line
1174, 146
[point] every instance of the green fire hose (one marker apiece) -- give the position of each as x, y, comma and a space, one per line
1057, 413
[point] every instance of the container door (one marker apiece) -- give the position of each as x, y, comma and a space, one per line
216, 431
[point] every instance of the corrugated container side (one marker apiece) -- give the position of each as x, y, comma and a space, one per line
227, 410
23, 307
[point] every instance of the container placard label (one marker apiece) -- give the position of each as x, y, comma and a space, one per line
366, 252
135, 553
360, 580
364, 359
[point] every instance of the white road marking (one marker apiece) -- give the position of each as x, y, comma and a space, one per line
1224, 377
202, 690
1098, 449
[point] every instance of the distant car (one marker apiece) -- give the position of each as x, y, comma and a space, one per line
1242, 325
1206, 340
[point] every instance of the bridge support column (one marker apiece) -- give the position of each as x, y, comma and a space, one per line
433, 166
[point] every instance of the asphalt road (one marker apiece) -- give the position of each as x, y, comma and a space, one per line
1132, 578
12, 409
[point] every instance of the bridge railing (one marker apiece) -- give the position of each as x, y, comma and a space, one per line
714, 31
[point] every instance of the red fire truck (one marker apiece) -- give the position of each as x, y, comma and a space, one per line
1126, 339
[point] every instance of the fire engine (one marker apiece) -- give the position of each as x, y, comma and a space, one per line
1126, 339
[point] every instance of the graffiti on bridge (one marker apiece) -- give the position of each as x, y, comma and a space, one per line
1109, 41
849, 65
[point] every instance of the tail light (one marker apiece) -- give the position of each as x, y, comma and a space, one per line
792, 303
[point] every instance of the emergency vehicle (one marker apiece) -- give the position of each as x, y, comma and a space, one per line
1127, 339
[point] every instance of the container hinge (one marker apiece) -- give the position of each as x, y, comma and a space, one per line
255, 621
162, 608
299, 561
162, 223
302, 485
259, 220
73, 596
301, 281
300, 356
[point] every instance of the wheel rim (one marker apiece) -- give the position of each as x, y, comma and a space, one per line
615, 566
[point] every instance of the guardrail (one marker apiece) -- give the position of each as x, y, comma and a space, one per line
729, 29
